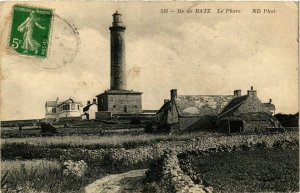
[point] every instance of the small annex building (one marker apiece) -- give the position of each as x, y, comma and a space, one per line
228, 113
89, 111
50, 109
271, 107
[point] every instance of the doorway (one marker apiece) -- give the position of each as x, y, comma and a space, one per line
235, 126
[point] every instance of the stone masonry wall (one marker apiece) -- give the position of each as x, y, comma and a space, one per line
171, 178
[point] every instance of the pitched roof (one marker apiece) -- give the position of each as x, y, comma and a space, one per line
200, 105
233, 105
87, 107
269, 106
51, 103
253, 116
166, 106
70, 101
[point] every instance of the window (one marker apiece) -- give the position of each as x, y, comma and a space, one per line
114, 106
125, 109
135, 106
73, 106
78, 107
53, 110
66, 107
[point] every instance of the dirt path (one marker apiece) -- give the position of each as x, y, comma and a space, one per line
126, 182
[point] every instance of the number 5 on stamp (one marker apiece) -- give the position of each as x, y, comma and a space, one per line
30, 30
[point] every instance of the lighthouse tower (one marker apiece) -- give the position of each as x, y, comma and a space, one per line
117, 50
118, 101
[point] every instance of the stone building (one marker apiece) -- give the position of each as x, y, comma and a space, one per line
118, 100
229, 113
247, 113
191, 111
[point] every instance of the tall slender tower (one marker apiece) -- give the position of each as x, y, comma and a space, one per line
118, 100
117, 51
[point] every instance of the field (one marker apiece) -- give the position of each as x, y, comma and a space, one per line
260, 170
80, 154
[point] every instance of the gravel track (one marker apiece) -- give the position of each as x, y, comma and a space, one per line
126, 182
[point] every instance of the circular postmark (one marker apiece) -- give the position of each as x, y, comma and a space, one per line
64, 44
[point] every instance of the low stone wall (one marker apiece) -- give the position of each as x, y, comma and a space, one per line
144, 155
170, 178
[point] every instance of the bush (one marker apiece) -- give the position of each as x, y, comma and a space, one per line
135, 121
48, 128
166, 129
149, 128
288, 120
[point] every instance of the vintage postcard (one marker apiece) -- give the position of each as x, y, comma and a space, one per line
145, 97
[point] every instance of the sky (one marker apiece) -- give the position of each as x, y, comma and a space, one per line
197, 54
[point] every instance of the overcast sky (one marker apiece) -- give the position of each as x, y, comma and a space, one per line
205, 54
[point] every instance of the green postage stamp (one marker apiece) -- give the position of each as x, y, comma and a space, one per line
30, 30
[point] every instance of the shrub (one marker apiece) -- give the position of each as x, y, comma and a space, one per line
135, 121
166, 129
74, 168
48, 128
149, 128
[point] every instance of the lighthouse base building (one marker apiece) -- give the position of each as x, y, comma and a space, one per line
119, 103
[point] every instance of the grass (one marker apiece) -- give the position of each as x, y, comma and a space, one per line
94, 142
14, 132
42, 175
56, 147
260, 170
16, 165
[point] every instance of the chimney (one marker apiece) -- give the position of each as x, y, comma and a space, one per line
166, 100
251, 92
94, 101
88, 102
270, 100
173, 94
237, 93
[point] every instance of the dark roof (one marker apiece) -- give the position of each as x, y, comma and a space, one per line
233, 105
51, 103
166, 106
121, 92
87, 107
252, 116
70, 101
269, 106
200, 105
